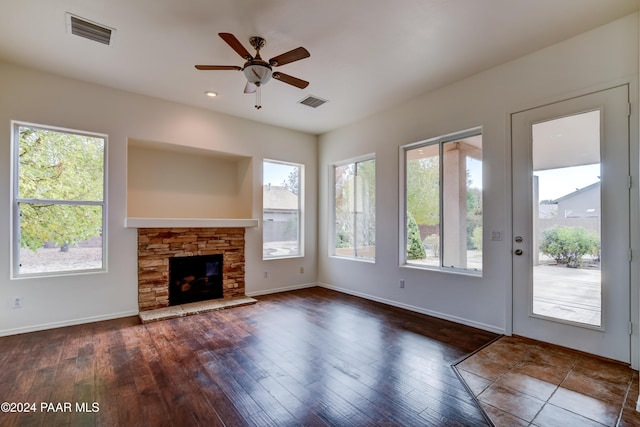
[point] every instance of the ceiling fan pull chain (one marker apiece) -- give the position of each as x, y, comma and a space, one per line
258, 98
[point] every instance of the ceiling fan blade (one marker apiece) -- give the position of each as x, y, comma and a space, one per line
250, 88
287, 57
236, 45
218, 67
294, 81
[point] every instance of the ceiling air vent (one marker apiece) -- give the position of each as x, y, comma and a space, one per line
89, 30
312, 101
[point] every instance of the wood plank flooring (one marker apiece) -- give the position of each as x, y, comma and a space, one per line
312, 357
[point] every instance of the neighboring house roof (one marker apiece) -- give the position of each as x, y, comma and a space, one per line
578, 191
279, 198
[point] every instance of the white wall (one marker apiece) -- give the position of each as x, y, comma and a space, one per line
595, 60
36, 97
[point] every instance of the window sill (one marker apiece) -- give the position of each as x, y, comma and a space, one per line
366, 260
53, 274
282, 257
455, 271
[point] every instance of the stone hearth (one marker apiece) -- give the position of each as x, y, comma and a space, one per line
194, 308
157, 245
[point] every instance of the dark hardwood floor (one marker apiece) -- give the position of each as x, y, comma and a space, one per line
311, 357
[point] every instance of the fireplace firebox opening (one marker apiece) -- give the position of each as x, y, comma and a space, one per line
195, 278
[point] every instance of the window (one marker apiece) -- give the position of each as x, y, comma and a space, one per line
355, 209
282, 197
443, 202
58, 200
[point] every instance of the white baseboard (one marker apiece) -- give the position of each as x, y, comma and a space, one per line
467, 322
53, 325
282, 289
420, 310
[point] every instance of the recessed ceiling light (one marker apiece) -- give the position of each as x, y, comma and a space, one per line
211, 94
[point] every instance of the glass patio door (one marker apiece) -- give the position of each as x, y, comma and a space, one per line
571, 271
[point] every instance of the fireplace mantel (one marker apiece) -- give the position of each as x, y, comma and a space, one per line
190, 223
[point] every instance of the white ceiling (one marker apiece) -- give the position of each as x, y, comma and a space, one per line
366, 55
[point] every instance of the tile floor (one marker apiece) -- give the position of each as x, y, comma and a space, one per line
521, 382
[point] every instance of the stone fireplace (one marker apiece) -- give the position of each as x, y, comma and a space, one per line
157, 246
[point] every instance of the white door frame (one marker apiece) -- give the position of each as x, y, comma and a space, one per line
633, 231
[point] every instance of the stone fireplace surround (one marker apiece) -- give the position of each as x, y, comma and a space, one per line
157, 245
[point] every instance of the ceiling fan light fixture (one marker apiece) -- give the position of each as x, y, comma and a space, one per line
258, 74
257, 71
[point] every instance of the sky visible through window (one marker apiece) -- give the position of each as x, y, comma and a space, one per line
555, 183
474, 168
275, 173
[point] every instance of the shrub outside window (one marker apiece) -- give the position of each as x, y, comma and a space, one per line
443, 202
354, 232
282, 197
58, 200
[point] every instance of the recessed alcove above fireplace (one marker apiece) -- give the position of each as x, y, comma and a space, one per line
174, 181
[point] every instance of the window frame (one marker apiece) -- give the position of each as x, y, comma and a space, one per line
301, 187
402, 215
15, 247
332, 206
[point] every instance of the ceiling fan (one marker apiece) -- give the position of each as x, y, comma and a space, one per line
258, 71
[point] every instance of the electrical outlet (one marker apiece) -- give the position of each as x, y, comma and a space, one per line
266, 274
16, 302
402, 283
301, 270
